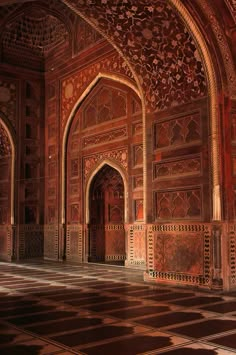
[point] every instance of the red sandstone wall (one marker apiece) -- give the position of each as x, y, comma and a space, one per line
23, 110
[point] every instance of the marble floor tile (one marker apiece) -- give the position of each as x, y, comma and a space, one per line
94, 309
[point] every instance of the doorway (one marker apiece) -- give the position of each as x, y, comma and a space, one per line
106, 227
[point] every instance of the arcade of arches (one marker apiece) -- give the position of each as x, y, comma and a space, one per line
118, 136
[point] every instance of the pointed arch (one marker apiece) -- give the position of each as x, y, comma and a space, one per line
115, 166
69, 122
10, 132
212, 89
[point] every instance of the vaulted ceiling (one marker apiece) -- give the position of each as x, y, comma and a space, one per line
151, 36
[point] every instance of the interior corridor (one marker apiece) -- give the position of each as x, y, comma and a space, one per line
52, 308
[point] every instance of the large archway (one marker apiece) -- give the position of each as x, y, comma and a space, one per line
104, 137
106, 211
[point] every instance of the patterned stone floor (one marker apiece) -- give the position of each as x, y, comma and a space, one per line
58, 308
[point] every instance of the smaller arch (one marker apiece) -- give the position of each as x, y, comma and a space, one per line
10, 132
115, 166
89, 88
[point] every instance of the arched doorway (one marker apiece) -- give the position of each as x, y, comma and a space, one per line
106, 227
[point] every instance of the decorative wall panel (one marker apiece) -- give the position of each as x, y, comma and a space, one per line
51, 235
106, 137
178, 132
181, 167
137, 155
182, 204
74, 242
136, 236
180, 253
6, 242
31, 241
108, 104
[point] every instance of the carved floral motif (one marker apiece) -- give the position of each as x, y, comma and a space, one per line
158, 45
105, 137
119, 156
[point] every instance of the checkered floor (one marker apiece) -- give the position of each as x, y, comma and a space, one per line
59, 308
